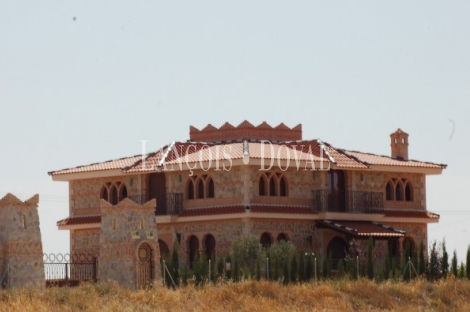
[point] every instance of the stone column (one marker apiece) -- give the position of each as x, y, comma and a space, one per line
20, 240
125, 229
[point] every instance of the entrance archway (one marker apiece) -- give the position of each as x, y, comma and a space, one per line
144, 266
337, 248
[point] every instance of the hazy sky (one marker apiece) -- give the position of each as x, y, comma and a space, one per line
85, 81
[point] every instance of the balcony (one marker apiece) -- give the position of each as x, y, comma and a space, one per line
172, 205
347, 201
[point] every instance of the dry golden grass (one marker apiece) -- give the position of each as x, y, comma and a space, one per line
363, 295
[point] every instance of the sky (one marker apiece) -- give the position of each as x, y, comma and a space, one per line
85, 81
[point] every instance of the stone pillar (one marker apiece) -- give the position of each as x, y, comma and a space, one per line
128, 235
20, 240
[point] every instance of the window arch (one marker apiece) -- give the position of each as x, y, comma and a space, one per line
113, 192
193, 249
210, 185
164, 250
209, 244
408, 192
262, 185
200, 187
399, 190
272, 184
282, 186
389, 191
190, 191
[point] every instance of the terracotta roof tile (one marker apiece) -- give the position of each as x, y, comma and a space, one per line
373, 159
419, 214
107, 165
80, 220
362, 228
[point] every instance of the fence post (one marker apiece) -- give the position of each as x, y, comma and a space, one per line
164, 268
66, 271
210, 277
267, 269
357, 266
315, 269
95, 267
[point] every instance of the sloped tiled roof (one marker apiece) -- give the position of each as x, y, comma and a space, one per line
362, 228
106, 165
380, 160
95, 219
418, 214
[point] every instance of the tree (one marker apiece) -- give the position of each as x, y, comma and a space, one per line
434, 269
445, 260
220, 266
286, 273
302, 267
468, 262
422, 261
388, 264
293, 269
175, 263
370, 264
246, 252
454, 265
309, 268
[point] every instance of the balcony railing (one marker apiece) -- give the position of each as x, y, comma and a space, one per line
347, 201
172, 206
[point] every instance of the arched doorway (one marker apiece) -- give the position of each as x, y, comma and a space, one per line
193, 244
282, 237
164, 250
209, 245
337, 249
145, 266
265, 240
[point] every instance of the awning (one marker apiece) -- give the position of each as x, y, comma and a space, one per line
361, 229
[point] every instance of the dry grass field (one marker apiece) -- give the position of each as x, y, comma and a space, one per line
339, 295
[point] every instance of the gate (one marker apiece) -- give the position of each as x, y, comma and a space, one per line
144, 266
69, 270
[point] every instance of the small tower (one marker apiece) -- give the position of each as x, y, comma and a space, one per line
399, 144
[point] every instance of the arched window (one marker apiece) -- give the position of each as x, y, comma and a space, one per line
393, 248
122, 192
200, 188
190, 189
282, 237
209, 245
164, 250
262, 185
265, 240
408, 192
113, 195
399, 191
389, 190
104, 192
282, 186
272, 186
211, 188
193, 249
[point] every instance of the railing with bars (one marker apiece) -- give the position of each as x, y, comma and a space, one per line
347, 201
66, 268
172, 206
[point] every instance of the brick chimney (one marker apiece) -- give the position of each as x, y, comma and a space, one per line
399, 144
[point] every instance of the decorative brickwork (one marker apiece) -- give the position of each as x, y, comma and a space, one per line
124, 228
20, 240
245, 130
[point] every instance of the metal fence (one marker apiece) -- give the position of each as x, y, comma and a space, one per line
66, 269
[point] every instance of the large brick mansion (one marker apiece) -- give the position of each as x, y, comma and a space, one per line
228, 182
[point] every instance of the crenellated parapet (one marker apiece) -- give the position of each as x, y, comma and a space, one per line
245, 131
21, 252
